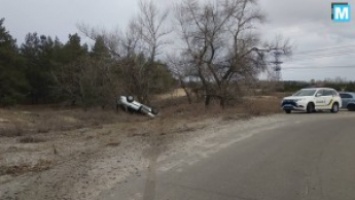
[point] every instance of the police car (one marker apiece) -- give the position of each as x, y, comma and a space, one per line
313, 99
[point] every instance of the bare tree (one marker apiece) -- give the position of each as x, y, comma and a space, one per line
182, 72
149, 24
137, 49
221, 43
142, 44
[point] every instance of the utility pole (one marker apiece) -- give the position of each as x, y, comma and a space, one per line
277, 62
277, 68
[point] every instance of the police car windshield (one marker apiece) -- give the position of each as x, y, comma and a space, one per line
304, 93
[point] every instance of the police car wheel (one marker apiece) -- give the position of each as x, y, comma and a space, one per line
335, 108
287, 111
310, 108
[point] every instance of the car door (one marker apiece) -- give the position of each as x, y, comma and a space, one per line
328, 97
319, 100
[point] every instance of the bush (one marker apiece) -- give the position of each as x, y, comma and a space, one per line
8, 101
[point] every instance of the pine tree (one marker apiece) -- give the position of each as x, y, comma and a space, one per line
38, 54
100, 50
13, 85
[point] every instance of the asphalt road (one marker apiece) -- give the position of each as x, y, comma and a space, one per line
313, 157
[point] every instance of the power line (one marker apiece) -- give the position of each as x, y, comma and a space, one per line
342, 52
320, 57
323, 53
321, 68
324, 49
317, 54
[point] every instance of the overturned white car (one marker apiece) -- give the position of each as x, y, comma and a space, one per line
128, 104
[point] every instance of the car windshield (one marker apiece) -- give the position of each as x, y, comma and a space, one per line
304, 93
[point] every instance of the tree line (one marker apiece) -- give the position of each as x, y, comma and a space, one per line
337, 83
43, 70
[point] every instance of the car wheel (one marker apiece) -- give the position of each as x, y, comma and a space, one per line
130, 99
287, 111
155, 111
310, 108
335, 108
351, 107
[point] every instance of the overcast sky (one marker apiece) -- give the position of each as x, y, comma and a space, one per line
323, 48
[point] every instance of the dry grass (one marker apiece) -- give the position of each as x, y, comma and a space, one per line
33, 120
262, 106
175, 113
31, 139
179, 108
42, 165
113, 144
177, 116
173, 94
11, 130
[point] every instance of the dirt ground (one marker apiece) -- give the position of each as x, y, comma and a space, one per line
56, 153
